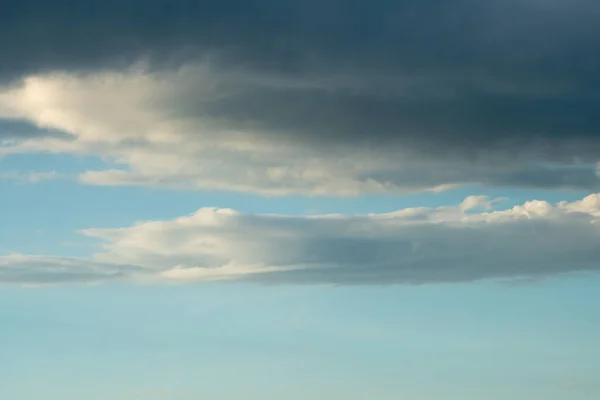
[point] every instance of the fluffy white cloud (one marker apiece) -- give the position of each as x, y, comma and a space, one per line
414, 245
226, 130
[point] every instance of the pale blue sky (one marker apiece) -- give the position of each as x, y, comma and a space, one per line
233, 341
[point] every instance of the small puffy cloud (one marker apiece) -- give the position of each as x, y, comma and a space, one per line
475, 202
408, 246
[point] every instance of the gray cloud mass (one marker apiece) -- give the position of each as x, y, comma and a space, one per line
502, 93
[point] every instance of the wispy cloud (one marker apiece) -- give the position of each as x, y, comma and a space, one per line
31, 177
34, 270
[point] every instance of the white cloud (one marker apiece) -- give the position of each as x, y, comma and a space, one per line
180, 129
474, 202
414, 245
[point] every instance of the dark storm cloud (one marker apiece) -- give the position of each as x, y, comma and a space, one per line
486, 82
531, 41
469, 125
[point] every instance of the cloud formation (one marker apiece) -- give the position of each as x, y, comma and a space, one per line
410, 246
288, 97
179, 129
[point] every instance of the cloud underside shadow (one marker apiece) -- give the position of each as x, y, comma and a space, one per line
467, 242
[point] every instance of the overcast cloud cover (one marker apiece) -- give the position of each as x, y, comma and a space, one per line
335, 98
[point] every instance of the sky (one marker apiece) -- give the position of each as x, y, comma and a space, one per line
282, 199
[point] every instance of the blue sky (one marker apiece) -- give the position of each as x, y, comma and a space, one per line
265, 200
234, 340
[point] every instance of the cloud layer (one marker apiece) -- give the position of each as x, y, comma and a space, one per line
466, 242
289, 97
532, 40
180, 129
